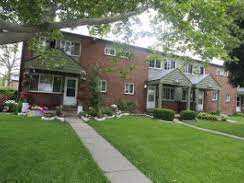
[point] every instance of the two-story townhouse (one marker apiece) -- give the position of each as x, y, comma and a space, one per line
174, 83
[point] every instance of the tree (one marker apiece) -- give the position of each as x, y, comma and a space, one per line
9, 61
236, 65
200, 25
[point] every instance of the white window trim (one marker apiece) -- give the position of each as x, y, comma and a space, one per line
50, 92
168, 64
204, 70
227, 99
128, 93
65, 41
154, 65
108, 53
216, 96
168, 87
106, 86
187, 69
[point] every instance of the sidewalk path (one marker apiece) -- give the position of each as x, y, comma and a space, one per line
211, 131
114, 165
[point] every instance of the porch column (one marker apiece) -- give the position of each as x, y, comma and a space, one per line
219, 102
189, 99
160, 88
196, 98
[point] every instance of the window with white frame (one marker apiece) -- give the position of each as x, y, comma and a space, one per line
70, 47
169, 65
201, 70
189, 68
168, 93
215, 95
155, 64
110, 51
103, 86
46, 83
129, 88
227, 98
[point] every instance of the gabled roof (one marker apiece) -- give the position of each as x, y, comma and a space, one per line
176, 77
59, 62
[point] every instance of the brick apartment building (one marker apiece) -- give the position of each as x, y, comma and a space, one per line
172, 83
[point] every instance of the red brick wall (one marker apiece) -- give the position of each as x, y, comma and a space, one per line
226, 88
93, 53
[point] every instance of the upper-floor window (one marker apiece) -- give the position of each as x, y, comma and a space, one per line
201, 70
70, 47
222, 72
129, 88
169, 65
189, 68
168, 93
215, 95
155, 64
227, 98
103, 86
110, 51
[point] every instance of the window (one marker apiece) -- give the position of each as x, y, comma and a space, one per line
155, 64
168, 93
189, 68
227, 98
184, 94
46, 83
109, 51
103, 86
215, 95
129, 88
151, 94
201, 70
57, 84
169, 65
222, 72
34, 79
69, 47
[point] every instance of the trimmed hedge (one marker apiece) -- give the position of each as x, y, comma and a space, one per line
207, 116
187, 115
164, 114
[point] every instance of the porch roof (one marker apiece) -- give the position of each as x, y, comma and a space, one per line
59, 62
177, 77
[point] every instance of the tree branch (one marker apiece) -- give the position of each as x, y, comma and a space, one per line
13, 37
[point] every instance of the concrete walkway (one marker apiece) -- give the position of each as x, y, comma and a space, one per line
211, 131
114, 165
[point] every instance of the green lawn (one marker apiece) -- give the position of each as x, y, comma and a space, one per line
174, 153
36, 151
237, 117
226, 127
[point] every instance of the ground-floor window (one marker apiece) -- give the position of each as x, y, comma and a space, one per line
46, 83
168, 93
215, 95
184, 94
103, 86
129, 88
227, 98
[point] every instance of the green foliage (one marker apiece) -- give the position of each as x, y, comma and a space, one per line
108, 111
126, 106
11, 106
217, 113
96, 99
92, 112
207, 116
19, 107
164, 114
187, 115
8, 92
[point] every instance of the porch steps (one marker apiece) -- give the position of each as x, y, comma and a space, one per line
69, 111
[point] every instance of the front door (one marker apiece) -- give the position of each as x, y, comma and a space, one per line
238, 104
70, 91
200, 100
151, 95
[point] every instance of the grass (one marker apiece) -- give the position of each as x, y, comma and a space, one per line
32, 150
174, 153
222, 126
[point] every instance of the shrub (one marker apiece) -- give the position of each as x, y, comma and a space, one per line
207, 116
10, 106
18, 107
217, 113
165, 114
187, 115
127, 106
92, 112
108, 111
